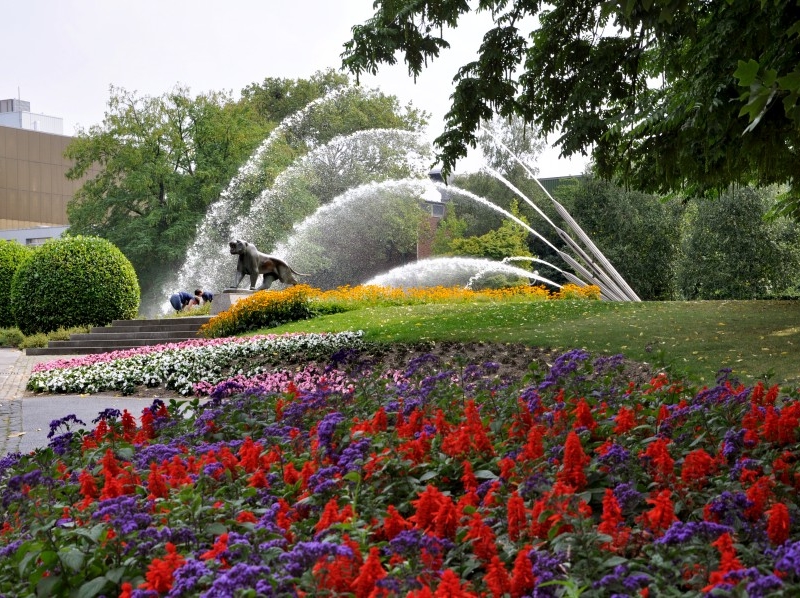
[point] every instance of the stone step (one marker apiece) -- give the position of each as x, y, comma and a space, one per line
125, 334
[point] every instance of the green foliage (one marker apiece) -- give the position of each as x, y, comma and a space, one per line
12, 254
639, 234
73, 281
154, 166
729, 251
510, 240
11, 337
450, 228
668, 95
35, 340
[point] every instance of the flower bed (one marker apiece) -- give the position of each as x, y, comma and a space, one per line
420, 482
179, 366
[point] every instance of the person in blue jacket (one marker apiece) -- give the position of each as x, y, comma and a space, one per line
180, 300
206, 296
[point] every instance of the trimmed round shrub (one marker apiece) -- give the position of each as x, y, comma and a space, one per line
74, 281
12, 254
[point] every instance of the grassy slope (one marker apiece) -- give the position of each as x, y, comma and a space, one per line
757, 339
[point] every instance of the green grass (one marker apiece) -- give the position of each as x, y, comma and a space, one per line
756, 339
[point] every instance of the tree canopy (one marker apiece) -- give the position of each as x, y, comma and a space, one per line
160, 162
668, 95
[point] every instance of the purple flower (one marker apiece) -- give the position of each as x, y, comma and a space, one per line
680, 532
305, 554
64, 421
240, 576
326, 429
187, 577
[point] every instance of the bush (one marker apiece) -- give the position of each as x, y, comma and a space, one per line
74, 281
12, 254
39, 339
11, 337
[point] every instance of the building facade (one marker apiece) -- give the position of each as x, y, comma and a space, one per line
34, 189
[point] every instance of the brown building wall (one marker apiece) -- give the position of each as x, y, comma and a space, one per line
34, 190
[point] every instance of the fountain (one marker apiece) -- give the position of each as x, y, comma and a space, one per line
449, 272
328, 211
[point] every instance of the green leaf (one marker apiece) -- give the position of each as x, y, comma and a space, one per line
72, 558
746, 72
92, 588
485, 474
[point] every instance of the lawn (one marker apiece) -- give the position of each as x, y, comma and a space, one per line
758, 340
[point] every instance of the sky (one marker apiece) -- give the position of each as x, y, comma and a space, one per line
63, 56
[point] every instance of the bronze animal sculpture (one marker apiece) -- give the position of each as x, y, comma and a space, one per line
253, 263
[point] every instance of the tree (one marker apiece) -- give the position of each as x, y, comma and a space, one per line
638, 233
728, 251
160, 162
506, 142
670, 95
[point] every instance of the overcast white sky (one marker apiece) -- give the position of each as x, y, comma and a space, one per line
62, 55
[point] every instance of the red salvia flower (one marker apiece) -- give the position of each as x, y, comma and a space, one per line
483, 544
759, 495
249, 454
159, 575
662, 515
427, 506
611, 522
450, 587
394, 523
662, 463
583, 416
497, 578
696, 467
534, 447
515, 511
370, 572
575, 460
522, 579
246, 517
330, 515
128, 425
778, 524
220, 546
379, 421
88, 485
445, 523
625, 420
468, 479
727, 561
156, 484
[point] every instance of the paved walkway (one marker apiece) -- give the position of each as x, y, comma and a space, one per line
25, 420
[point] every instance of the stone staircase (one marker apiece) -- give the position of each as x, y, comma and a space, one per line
125, 334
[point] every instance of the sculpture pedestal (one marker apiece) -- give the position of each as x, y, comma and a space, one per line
222, 301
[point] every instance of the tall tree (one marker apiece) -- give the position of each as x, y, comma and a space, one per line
161, 161
671, 95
